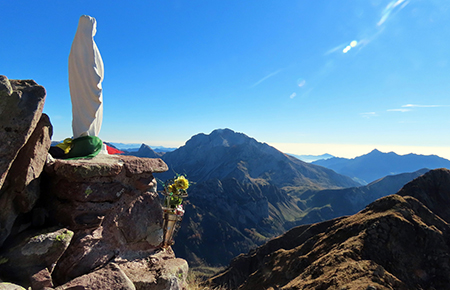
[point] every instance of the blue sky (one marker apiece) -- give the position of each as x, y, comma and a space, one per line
308, 77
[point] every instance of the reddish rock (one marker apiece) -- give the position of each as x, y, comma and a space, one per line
157, 272
109, 277
21, 105
41, 280
21, 188
111, 204
23, 177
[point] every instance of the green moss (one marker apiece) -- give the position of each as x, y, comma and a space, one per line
88, 191
3, 260
63, 236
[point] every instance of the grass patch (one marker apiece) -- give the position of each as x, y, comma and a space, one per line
197, 277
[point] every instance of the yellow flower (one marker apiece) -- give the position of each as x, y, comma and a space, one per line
181, 182
172, 188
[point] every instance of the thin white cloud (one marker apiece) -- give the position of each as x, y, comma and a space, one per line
266, 77
422, 106
399, 110
337, 48
293, 95
390, 9
368, 114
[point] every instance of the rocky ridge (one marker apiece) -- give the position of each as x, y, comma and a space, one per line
396, 242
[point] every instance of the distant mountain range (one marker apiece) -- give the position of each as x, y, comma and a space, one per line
375, 165
134, 147
312, 158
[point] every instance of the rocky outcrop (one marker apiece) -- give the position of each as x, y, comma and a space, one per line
25, 133
394, 243
111, 204
21, 105
79, 224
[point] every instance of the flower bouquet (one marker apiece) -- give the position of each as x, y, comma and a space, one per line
173, 194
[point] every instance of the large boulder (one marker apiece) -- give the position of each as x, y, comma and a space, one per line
31, 259
26, 135
109, 277
21, 105
21, 188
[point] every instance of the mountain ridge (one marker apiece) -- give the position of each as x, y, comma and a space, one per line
396, 242
225, 153
376, 164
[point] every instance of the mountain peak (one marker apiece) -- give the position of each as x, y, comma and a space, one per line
375, 151
220, 138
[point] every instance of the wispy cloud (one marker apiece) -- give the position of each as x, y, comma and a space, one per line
266, 77
368, 115
293, 95
409, 107
339, 48
391, 8
399, 110
422, 106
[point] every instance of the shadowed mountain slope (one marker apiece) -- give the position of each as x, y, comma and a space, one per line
240, 196
331, 203
396, 242
375, 165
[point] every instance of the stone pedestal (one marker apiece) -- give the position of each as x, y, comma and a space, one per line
111, 204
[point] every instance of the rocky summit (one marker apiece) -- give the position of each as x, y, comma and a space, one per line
75, 224
396, 242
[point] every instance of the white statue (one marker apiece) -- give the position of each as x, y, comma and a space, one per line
85, 80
